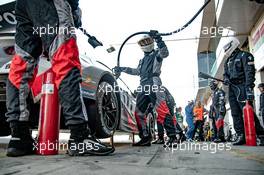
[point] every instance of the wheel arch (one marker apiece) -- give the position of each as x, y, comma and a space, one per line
91, 79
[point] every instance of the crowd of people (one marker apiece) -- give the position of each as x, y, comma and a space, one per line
201, 124
239, 78
196, 118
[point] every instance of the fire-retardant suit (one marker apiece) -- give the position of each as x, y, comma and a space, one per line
166, 118
218, 111
46, 27
261, 101
149, 70
239, 75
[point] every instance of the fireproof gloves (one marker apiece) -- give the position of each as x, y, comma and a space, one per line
250, 94
118, 70
226, 82
156, 36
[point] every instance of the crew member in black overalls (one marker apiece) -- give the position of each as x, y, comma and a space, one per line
239, 75
217, 111
150, 91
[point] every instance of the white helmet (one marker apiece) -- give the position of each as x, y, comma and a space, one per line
146, 43
231, 46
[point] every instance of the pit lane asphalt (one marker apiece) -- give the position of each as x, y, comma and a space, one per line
240, 160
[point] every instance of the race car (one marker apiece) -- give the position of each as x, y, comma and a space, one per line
110, 105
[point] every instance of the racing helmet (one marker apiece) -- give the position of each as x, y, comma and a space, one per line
231, 45
213, 84
146, 43
261, 85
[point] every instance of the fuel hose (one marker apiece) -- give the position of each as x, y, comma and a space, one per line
161, 34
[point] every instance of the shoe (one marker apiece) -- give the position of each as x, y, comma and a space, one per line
20, 147
21, 142
145, 141
172, 142
219, 140
189, 140
240, 140
182, 138
159, 141
201, 140
89, 146
82, 143
260, 141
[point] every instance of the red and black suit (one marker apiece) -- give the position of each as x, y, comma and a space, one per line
45, 27
217, 113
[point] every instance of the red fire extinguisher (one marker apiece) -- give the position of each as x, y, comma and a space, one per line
49, 119
249, 125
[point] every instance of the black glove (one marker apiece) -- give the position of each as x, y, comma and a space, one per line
226, 82
222, 109
250, 94
77, 17
155, 35
117, 70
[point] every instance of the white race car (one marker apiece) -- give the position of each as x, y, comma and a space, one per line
107, 110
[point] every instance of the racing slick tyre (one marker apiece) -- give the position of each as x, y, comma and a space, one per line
104, 112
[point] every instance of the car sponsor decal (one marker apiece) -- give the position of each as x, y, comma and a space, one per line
7, 16
87, 93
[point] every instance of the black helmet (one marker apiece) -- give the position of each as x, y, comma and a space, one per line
213, 84
261, 85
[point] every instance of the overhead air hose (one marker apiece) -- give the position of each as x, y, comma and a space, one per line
160, 34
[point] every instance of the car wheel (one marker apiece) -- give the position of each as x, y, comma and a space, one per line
107, 110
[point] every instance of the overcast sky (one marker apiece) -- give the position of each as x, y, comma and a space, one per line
113, 21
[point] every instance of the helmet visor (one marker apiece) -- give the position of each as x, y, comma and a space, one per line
145, 41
